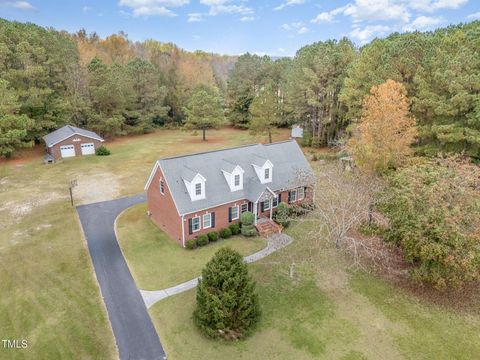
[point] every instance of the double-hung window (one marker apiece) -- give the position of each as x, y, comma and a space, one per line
234, 210
266, 205
196, 224
244, 208
275, 201
207, 221
301, 193
198, 189
267, 173
293, 195
237, 180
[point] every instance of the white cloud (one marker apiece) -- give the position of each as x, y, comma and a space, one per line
289, 3
368, 32
195, 17
474, 16
217, 7
303, 30
281, 50
22, 5
152, 7
362, 10
196, 37
432, 5
86, 9
422, 23
247, 18
323, 17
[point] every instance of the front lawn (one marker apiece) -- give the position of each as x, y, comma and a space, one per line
49, 294
157, 261
324, 312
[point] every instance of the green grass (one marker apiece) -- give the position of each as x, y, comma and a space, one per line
49, 294
157, 261
324, 312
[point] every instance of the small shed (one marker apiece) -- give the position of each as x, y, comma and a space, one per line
297, 132
70, 141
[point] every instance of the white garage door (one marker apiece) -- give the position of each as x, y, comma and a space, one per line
88, 149
67, 151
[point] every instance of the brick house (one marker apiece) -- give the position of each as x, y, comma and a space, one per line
70, 141
198, 193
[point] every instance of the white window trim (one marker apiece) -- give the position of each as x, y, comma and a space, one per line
267, 169
238, 213
266, 208
160, 186
239, 180
199, 224
210, 216
195, 189
274, 206
241, 206
298, 194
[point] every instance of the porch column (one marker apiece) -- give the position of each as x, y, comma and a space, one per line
255, 206
271, 205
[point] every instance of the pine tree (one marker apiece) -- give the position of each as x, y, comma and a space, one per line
227, 305
265, 113
204, 110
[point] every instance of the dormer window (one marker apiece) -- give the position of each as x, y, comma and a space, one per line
233, 175
195, 184
263, 169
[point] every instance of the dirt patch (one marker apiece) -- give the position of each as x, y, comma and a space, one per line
15, 211
96, 187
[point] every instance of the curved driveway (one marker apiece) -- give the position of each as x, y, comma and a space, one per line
133, 329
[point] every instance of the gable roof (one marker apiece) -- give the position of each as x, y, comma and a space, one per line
67, 131
287, 158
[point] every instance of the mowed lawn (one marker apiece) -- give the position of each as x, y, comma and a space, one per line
49, 294
157, 261
324, 311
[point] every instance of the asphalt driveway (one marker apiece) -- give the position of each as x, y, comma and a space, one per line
133, 329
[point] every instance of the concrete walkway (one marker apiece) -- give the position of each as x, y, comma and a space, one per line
274, 243
133, 329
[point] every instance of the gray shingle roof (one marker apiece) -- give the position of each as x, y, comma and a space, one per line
65, 132
287, 158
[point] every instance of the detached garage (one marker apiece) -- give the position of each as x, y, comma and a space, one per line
70, 141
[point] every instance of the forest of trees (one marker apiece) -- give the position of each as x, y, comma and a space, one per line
115, 86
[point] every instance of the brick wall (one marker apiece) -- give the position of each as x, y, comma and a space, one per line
55, 149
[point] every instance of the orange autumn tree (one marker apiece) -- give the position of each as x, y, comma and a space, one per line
386, 131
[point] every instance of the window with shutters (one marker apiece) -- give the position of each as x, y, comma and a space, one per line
196, 224
234, 212
244, 208
275, 202
293, 196
207, 221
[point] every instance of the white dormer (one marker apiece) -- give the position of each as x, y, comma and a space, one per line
264, 172
234, 178
196, 187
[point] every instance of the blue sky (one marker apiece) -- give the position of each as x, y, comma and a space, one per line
274, 27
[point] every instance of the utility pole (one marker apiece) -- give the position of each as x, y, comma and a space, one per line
73, 183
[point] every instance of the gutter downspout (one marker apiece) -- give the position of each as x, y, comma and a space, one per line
183, 231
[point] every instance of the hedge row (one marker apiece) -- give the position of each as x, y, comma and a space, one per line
202, 240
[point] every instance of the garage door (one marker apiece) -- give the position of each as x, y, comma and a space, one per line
88, 149
67, 151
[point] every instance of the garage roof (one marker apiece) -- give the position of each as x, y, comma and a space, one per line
66, 132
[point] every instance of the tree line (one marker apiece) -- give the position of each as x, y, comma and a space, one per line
325, 85
113, 86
